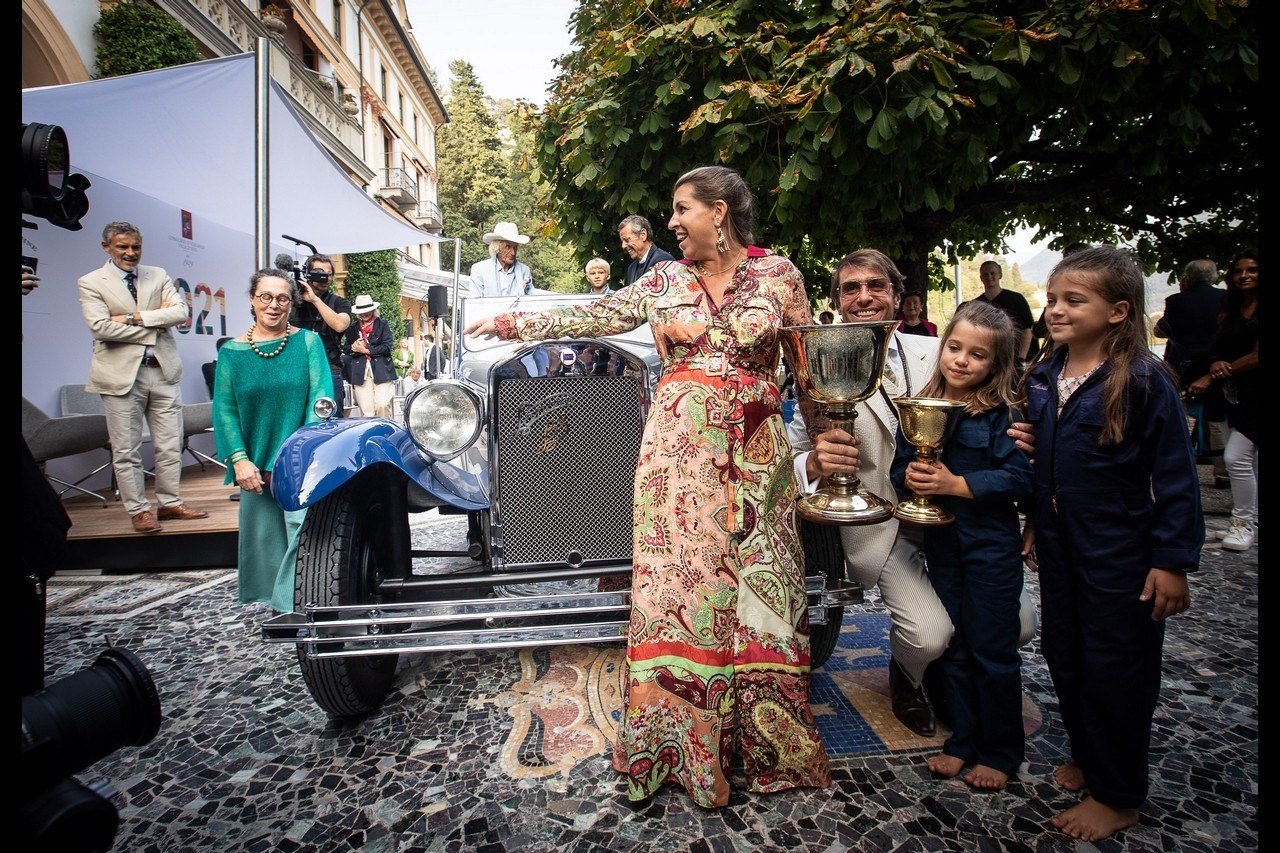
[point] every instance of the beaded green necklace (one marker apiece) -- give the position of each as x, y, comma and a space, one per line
259, 353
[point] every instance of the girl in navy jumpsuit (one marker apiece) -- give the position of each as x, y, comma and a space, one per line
1115, 527
975, 563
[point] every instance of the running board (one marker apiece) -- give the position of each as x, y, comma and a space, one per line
501, 622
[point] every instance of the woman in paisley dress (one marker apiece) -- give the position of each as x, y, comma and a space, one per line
718, 646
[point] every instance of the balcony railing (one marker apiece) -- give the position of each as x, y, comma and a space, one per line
428, 216
398, 187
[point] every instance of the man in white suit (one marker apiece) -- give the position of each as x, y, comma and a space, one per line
867, 286
131, 311
501, 274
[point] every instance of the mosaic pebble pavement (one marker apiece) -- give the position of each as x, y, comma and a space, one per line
506, 750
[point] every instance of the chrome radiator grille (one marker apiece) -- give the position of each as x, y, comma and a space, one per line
564, 465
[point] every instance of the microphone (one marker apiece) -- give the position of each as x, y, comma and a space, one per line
284, 261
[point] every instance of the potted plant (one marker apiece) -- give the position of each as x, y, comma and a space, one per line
273, 18
349, 105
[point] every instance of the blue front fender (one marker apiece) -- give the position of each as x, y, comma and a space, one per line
320, 457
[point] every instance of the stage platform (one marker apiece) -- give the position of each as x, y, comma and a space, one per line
102, 539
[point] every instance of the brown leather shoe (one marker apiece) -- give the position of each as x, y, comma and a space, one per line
145, 522
181, 512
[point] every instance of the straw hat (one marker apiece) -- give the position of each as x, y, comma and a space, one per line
505, 231
364, 304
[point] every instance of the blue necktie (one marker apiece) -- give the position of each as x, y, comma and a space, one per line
129, 279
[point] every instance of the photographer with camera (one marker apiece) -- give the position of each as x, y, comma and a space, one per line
325, 313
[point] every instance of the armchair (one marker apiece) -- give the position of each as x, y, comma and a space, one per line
69, 435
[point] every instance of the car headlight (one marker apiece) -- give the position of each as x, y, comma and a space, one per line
326, 408
444, 418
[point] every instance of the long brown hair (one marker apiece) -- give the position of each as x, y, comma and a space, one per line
1000, 388
1114, 275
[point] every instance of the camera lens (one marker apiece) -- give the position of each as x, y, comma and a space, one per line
317, 275
87, 716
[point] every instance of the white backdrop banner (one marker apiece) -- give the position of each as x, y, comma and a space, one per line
172, 151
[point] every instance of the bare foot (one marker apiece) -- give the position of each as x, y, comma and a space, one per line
945, 765
1094, 821
1070, 776
986, 778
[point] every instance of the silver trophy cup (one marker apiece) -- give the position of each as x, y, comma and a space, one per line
839, 366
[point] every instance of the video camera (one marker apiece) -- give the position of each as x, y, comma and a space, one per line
49, 189
284, 261
69, 726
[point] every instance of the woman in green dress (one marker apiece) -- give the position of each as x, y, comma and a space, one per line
266, 385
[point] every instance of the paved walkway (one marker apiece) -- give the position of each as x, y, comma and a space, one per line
495, 751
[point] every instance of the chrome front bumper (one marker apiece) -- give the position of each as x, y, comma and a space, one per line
534, 620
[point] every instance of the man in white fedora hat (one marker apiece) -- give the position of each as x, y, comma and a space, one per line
501, 274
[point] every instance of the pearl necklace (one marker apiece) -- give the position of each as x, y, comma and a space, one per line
288, 330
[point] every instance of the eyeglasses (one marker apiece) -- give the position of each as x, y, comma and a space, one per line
265, 299
874, 286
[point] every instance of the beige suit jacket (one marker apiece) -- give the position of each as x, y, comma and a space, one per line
118, 348
876, 426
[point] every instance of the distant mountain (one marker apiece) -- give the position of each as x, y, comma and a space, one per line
1036, 271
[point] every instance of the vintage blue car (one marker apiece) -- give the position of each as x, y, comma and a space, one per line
538, 449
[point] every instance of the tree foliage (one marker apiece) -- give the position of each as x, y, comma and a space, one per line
135, 37
376, 274
918, 126
473, 171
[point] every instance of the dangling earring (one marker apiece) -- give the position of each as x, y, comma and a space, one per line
721, 245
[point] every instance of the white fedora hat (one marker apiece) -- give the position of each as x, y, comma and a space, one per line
364, 304
505, 231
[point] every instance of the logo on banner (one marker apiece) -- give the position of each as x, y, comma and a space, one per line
186, 225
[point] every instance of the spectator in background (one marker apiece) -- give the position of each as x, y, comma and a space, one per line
598, 277
1233, 370
131, 311
912, 321
432, 357
402, 359
268, 381
327, 314
826, 318
369, 368
1011, 302
411, 381
1189, 324
636, 235
501, 274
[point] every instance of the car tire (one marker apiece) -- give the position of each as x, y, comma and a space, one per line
824, 555
338, 564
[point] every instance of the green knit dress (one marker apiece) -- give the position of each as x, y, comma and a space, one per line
258, 402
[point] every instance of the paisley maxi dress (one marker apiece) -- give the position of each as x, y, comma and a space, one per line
718, 645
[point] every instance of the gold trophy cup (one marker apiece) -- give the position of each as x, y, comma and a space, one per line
927, 423
838, 366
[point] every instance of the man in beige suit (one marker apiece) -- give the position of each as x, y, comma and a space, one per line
868, 286
131, 311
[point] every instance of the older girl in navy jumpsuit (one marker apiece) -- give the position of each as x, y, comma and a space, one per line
975, 563
1116, 527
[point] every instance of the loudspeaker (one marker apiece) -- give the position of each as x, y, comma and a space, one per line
437, 296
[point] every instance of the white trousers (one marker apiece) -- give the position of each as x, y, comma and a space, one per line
374, 399
1241, 456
